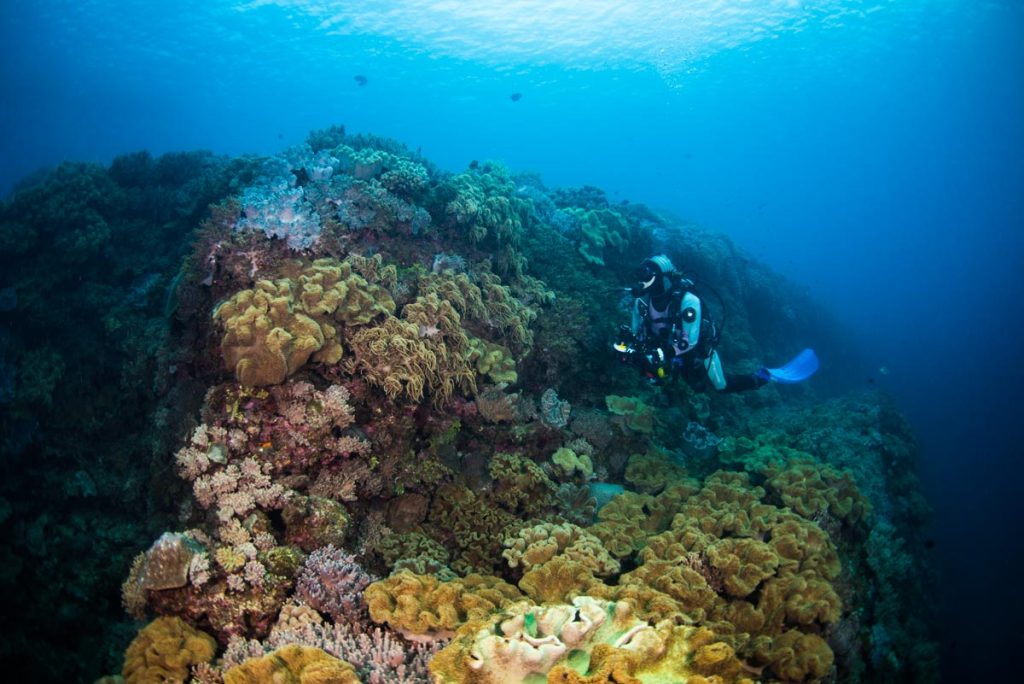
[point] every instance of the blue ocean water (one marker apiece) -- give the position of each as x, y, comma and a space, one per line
869, 151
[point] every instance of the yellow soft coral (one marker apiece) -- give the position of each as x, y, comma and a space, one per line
520, 485
743, 563
621, 523
794, 656
422, 605
426, 349
600, 229
536, 544
587, 641
493, 361
812, 489
570, 463
165, 650
651, 472
293, 664
273, 329
560, 580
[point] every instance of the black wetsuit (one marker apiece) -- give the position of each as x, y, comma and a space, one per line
662, 331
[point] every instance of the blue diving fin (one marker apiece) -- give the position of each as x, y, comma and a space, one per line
800, 367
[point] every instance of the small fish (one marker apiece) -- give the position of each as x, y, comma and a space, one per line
474, 164
515, 97
360, 79
884, 370
280, 136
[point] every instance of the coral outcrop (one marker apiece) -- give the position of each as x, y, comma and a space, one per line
370, 398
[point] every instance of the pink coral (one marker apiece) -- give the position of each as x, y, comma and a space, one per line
378, 655
333, 582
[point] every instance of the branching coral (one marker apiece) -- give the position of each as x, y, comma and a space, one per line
332, 582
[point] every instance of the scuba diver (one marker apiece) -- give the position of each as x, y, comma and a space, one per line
672, 335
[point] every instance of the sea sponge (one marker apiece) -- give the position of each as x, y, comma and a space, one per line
164, 651
423, 605
312, 522
166, 563
293, 664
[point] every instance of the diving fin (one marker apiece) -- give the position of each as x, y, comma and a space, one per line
800, 367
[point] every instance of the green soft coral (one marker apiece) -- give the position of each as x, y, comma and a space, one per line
599, 230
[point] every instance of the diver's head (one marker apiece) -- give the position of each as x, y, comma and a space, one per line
653, 277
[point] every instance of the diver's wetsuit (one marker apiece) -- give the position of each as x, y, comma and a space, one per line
658, 322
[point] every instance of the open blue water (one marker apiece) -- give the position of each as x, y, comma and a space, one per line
872, 151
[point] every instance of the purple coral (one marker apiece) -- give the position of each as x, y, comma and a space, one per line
332, 582
277, 206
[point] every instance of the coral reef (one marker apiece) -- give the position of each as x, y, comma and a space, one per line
369, 419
